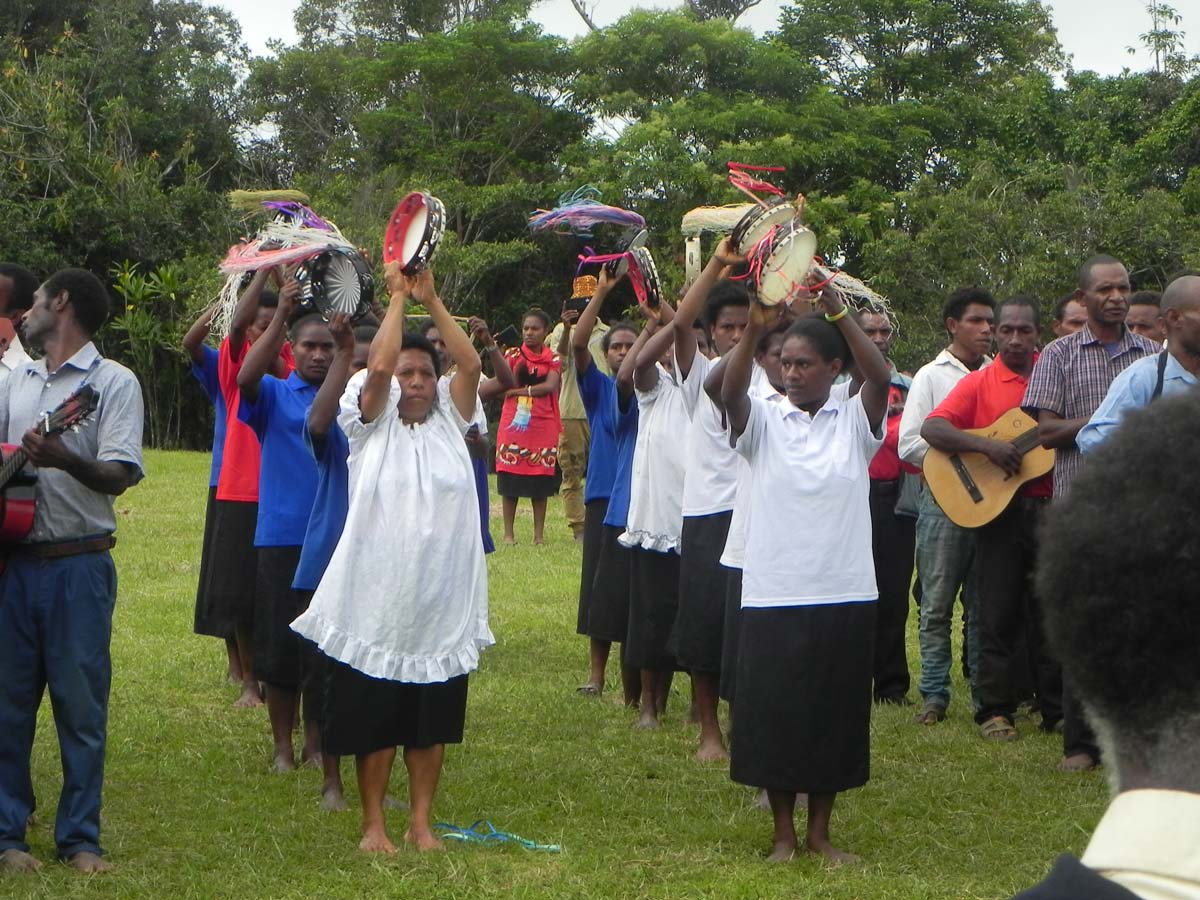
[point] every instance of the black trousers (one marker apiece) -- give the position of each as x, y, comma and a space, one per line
1006, 555
893, 545
1077, 734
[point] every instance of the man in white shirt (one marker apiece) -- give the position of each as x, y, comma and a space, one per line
945, 552
17, 286
1119, 607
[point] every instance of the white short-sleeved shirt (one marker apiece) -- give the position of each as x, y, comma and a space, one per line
710, 478
656, 488
735, 540
808, 537
480, 417
405, 595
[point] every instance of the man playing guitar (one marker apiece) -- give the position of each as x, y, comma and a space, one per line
59, 585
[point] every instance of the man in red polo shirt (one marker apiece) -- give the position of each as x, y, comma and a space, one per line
1006, 548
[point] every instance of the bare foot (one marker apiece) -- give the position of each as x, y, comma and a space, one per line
782, 852
18, 861
284, 762
390, 802
537, 542
250, 699
579, 537
830, 852
712, 751
310, 759
376, 842
89, 863
761, 801
332, 800
1077, 762
647, 721
510, 540
423, 841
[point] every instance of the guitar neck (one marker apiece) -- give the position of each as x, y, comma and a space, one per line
12, 466
1026, 441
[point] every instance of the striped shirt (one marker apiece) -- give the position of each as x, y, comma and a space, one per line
1071, 379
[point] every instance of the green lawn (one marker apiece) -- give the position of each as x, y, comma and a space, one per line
192, 811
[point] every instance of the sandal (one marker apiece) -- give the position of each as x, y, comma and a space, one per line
998, 728
930, 714
591, 689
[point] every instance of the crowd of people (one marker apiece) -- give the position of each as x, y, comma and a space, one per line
745, 482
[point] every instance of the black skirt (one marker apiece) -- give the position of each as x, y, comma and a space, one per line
365, 714
803, 710
731, 635
536, 487
234, 569
277, 658
312, 671
703, 584
593, 535
205, 621
608, 608
653, 603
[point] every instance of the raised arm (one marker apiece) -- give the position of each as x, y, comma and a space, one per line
626, 374
465, 383
739, 364
693, 304
246, 310
646, 371
193, 341
581, 334
876, 377
569, 318
713, 381
504, 380
263, 352
325, 405
385, 347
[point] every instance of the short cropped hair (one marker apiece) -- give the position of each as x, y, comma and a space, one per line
956, 304
1022, 300
303, 321
1060, 307
1146, 298
623, 325
1117, 576
268, 299
724, 293
825, 338
364, 334
25, 284
427, 327
1083, 276
86, 294
538, 313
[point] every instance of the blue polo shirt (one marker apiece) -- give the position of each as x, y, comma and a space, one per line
595, 389
329, 508
625, 435
205, 372
287, 480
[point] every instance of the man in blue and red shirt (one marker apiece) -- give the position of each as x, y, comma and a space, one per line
1006, 548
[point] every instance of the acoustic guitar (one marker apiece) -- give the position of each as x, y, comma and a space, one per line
16, 483
970, 488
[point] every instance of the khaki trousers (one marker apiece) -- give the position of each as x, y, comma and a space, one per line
572, 460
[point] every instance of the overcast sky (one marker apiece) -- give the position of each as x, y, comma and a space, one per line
1094, 32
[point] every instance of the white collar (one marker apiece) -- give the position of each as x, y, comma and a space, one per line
946, 358
1151, 832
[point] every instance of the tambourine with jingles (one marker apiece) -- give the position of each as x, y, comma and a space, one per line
617, 268
414, 231
643, 274
780, 270
759, 220
337, 280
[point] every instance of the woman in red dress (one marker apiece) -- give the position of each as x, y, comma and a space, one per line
527, 444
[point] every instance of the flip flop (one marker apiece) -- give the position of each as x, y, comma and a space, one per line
589, 690
998, 728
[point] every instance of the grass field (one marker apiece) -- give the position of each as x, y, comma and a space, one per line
191, 810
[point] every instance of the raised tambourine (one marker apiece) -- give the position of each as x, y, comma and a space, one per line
337, 280
414, 231
758, 222
644, 276
785, 264
618, 267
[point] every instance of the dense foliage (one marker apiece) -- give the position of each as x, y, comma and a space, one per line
938, 144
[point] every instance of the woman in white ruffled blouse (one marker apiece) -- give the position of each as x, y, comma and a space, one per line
401, 612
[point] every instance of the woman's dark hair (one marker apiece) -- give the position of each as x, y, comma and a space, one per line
24, 284
1117, 572
301, 322
725, 293
539, 313
957, 303
414, 341
268, 299
364, 334
778, 330
826, 339
429, 326
623, 325
86, 294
